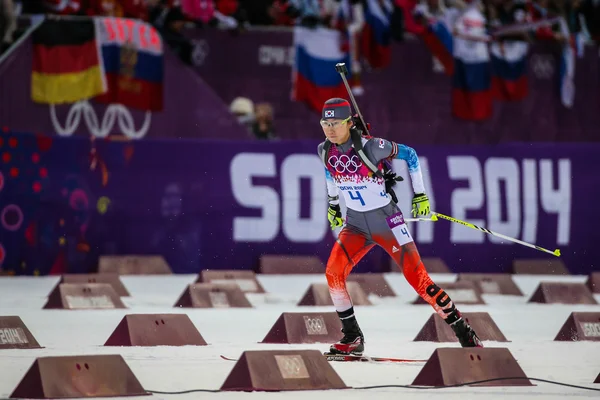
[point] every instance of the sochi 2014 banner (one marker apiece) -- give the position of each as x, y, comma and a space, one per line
220, 204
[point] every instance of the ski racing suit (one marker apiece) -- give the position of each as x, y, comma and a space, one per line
373, 218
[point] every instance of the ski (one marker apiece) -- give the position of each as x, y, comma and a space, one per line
363, 358
351, 357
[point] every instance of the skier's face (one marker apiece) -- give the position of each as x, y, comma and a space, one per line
337, 130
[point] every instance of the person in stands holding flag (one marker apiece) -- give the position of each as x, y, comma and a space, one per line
348, 17
355, 166
435, 20
508, 52
472, 78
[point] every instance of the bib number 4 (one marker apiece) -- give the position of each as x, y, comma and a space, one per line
399, 229
355, 195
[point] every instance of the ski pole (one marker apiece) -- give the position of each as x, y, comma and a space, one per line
433, 218
485, 230
342, 70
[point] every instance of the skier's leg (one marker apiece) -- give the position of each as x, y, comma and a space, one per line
351, 245
395, 238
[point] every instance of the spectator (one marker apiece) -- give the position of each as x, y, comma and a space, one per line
243, 109
543, 9
263, 128
225, 13
8, 24
305, 12
170, 23
506, 13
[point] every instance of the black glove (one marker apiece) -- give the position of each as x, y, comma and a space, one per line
358, 125
390, 179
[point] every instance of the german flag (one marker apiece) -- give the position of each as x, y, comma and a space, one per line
67, 66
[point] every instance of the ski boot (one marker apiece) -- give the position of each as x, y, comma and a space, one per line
465, 334
353, 341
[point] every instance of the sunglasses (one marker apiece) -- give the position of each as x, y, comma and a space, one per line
334, 124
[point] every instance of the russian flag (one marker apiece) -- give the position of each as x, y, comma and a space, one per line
314, 78
132, 52
471, 93
472, 79
439, 41
376, 36
509, 66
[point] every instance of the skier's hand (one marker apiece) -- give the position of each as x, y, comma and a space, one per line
420, 204
390, 179
334, 215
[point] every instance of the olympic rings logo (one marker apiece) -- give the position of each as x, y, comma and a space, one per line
344, 163
115, 114
291, 367
315, 326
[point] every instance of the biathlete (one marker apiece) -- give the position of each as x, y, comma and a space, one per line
355, 165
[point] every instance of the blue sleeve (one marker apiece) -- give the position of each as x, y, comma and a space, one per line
409, 155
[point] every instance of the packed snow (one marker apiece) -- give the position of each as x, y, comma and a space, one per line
390, 326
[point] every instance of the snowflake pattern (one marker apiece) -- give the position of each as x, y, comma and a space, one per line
361, 176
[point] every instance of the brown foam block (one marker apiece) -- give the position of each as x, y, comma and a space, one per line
290, 264
435, 265
155, 330
452, 366
80, 296
463, 292
245, 279
78, 376
372, 283
305, 328
540, 266
593, 282
279, 370
493, 283
564, 293
15, 335
134, 265
436, 330
111, 279
213, 295
580, 326
318, 295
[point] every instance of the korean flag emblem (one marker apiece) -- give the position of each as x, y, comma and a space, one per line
329, 113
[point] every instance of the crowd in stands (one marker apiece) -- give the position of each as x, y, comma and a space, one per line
406, 16
238, 14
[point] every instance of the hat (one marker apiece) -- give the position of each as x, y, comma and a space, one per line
336, 108
241, 105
